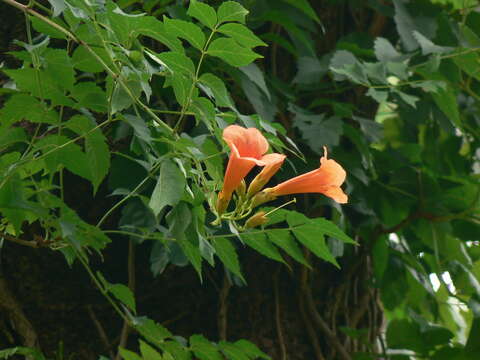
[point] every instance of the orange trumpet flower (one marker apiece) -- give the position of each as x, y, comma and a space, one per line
273, 162
326, 180
247, 147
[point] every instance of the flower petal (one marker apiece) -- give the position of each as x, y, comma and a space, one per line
326, 180
272, 162
247, 148
249, 142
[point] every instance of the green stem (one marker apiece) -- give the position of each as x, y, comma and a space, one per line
101, 287
129, 195
23, 160
194, 82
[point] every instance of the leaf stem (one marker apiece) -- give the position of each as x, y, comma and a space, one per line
129, 195
178, 126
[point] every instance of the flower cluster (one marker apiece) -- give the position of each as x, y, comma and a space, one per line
248, 149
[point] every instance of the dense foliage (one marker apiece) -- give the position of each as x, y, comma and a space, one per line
111, 125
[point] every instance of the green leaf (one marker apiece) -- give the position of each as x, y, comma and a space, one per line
469, 64
148, 352
379, 96
384, 51
232, 53
204, 349
139, 126
177, 62
24, 107
446, 100
176, 350
123, 26
96, 148
251, 349
10, 135
90, 96
435, 335
121, 99
47, 29
231, 11
310, 70
152, 27
232, 352
472, 346
310, 232
329, 228
14, 205
377, 71
304, 6
29, 353
59, 67
58, 6
150, 330
83, 60
216, 88
241, 34
256, 76
316, 130
181, 88
309, 236
346, 64
409, 99
227, 254
124, 294
428, 47
380, 257
284, 240
187, 238
61, 152
120, 291
298, 34
472, 38
203, 13
186, 30
262, 244
128, 355
405, 25
204, 111
271, 38
404, 334
39, 84
169, 188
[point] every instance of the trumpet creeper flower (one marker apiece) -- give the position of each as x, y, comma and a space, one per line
247, 149
326, 180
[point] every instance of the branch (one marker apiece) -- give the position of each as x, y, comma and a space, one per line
223, 308
306, 319
281, 341
37, 243
323, 325
101, 331
310, 330
22, 325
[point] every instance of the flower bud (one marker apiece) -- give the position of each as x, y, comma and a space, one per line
393, 80
256, 185
241, 189
222, 202
255, 220
273, 162
261, 198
